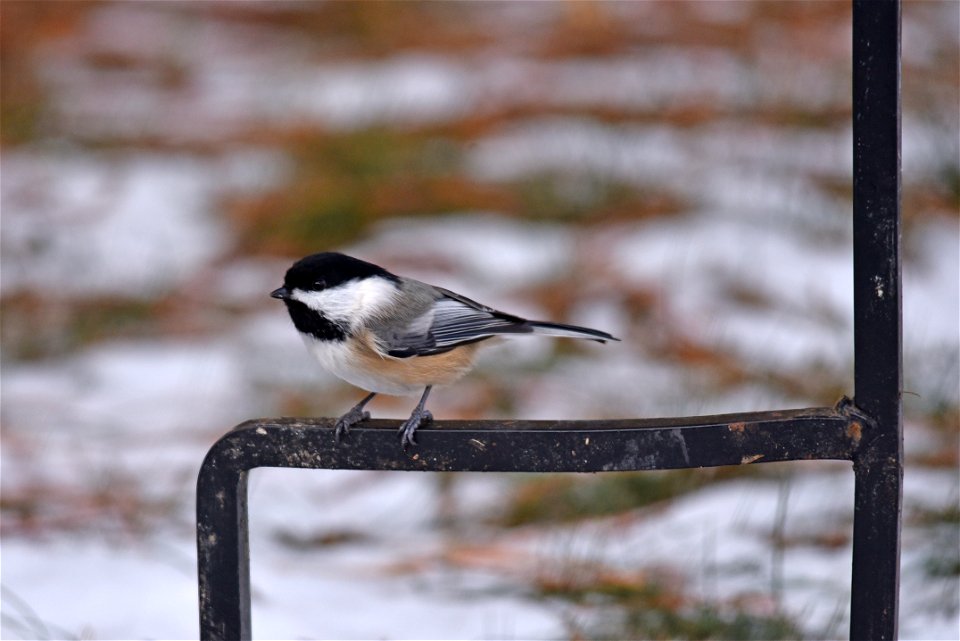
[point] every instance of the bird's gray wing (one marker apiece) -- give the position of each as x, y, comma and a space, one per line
448, 321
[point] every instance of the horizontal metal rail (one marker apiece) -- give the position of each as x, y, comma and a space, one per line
480, 446
545, 446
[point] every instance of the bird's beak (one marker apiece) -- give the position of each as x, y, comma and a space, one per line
282, 293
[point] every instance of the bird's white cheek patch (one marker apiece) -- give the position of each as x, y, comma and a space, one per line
351, 303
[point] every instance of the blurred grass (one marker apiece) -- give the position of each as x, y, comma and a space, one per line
564, 498
572, 197
369, 29
943, 540
34, 327
706, 621
116, 506
648, 605
22, 102
345, 183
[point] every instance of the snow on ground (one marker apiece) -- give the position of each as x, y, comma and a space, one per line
701, 270
123, 224
393, 517
74, 588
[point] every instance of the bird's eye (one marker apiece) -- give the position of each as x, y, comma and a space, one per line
319, 284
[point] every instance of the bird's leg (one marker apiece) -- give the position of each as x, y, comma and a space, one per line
351, 418
419, 417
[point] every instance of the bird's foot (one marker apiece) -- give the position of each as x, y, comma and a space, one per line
351, 418
348, 420
407, 430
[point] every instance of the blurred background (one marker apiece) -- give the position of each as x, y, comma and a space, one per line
677, 173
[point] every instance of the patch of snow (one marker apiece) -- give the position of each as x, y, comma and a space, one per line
493, 251
118, 387
752, 171
805, 311
130, 225
153, 580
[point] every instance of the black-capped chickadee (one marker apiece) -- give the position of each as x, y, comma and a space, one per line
392, 335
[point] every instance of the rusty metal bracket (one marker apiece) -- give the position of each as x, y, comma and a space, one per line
475, 446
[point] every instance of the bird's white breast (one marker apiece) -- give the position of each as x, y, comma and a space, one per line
341, 359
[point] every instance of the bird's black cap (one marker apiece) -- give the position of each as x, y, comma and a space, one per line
328, 269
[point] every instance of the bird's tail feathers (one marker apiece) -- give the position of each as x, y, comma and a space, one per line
569, 331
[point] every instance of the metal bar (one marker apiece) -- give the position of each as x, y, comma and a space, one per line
513, 446
223, 550
547, 446
877, 318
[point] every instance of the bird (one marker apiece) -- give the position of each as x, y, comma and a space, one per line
389, 334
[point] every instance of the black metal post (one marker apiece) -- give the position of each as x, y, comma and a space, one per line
223, 549
877, 318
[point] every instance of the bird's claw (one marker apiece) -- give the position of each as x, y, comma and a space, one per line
409, 427
348, 420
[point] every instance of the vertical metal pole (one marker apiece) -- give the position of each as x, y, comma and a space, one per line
223, 553
877, 318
